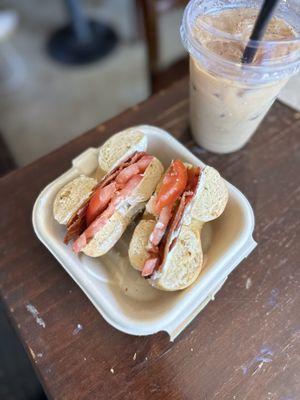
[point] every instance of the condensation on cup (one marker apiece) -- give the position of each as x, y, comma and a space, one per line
229, 99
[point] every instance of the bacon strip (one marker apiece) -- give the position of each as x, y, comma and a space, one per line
77, 223
114, 173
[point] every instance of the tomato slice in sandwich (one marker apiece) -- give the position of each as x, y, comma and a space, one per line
102, 219
103, 195
173, 185
99, 202
161, 239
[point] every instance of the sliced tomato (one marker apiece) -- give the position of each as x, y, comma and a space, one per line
102, 219
99, 202
173, 185
162, 238
92, 229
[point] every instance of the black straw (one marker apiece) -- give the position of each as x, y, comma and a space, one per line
260, 26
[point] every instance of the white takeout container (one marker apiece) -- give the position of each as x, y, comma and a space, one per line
120, 294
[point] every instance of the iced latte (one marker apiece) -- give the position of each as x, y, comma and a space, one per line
229, 99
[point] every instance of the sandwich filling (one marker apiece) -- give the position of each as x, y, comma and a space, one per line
105, 198
176, 192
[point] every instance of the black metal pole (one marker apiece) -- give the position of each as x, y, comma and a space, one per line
79, 22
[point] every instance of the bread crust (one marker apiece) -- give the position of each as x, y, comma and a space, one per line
120, 147
70, 197
183, 263
136, 252
112, 231
211, 196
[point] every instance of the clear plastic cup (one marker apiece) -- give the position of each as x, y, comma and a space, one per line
229, 99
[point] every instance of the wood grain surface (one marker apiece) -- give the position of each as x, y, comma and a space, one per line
245, 345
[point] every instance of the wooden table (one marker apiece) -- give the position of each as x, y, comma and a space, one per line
244, 345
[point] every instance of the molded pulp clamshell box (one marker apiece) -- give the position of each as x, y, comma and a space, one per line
120, 294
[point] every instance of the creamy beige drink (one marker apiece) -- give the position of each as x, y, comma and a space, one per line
229, 99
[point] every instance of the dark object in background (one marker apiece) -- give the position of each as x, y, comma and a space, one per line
159, 78
81, 41
17, 378
7, 163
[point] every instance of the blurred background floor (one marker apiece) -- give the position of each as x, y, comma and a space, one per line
55, 102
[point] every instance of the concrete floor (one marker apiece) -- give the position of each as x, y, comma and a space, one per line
55, 103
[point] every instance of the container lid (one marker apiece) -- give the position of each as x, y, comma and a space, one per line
216, 32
